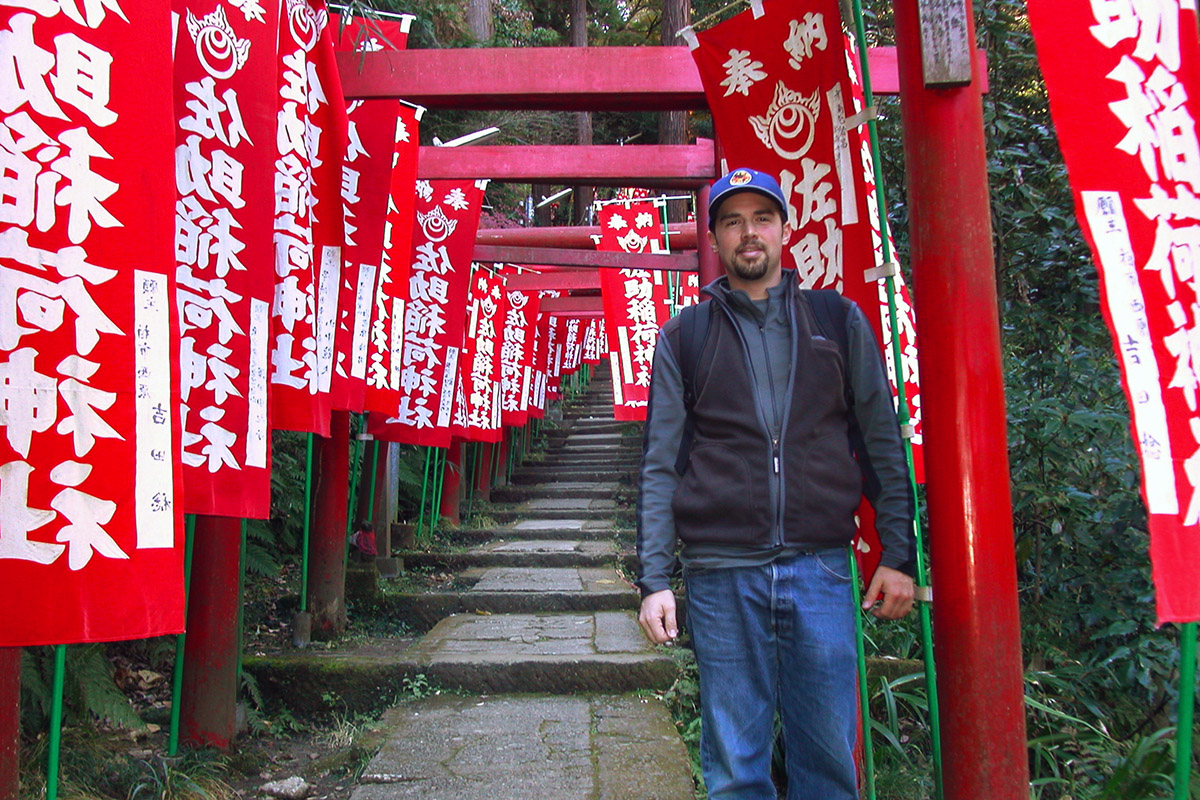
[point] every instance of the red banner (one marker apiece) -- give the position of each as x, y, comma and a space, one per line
477, 414
1121, 79
571, 335
386, 341
784, 101
311, 144
224, 103
595, 342
541, 362
366, 178
447, 217
90, 527
636, 301
517, 357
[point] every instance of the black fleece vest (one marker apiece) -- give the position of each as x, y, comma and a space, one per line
723, 497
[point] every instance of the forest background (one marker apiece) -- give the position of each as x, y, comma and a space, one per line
1101, 680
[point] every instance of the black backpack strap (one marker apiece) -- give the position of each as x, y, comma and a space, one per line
693, 333
829, 310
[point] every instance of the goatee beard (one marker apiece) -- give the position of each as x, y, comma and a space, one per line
749, 270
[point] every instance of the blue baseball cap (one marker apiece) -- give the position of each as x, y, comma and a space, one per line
743, 179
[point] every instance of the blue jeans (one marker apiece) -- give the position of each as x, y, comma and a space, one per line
776, 637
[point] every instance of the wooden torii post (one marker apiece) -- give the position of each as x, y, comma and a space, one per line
952, 256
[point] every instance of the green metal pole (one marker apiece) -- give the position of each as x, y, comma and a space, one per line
356, 459
308, 471
241, 620
935, 726
189, 526
374, 476
56, 706
473, 461
1187, 703
864, 696
424, 488
439, 474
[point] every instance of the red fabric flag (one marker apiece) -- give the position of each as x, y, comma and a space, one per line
447, 217
517, 357
391, 284
778, 82
572, 344
366, 178
91, 545
784, 101
477, 414
311, 144
541, 362
1122, 80
224, 109
636, 301
595, 342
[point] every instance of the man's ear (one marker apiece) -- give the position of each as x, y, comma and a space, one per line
712, 240
787, 231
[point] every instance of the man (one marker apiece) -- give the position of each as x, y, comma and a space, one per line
765, 507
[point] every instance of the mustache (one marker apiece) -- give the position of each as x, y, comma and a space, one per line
754, 245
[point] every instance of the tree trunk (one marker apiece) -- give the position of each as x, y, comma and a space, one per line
479, 19
583, 119
672, 125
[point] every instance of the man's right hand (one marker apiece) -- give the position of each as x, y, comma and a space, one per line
657, 617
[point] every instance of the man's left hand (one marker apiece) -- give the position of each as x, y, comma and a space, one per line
892, 590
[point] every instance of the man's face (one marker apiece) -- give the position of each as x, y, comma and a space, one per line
748, 234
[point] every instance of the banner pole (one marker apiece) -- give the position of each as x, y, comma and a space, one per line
356, 458
374, 475
935, 733
1187, 701
189, 527
864, 696
424, 488
241, 601
439, 483
308, 470
56, 707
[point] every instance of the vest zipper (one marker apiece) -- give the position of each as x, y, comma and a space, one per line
775, 454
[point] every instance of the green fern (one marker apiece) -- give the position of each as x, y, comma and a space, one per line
89, 691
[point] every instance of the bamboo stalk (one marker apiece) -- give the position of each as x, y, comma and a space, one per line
189, 526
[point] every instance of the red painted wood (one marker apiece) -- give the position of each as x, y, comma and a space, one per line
683, 236
327, 544
556, 78
681, 166
551, 256
10, 722
573, 304
452, 484
208, 701
562, 281
976, 623
578, 314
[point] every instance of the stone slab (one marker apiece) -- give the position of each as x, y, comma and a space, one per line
565, 652
518, 748
549, 525
568, 504
547, 579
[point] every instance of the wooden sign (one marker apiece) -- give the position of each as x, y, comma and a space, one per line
945, 48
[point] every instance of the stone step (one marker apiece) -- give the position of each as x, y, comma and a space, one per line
519, 748
556, 529
631, 459
567, 653
520, 553
502, 515
517, 590
541, 474
517, 494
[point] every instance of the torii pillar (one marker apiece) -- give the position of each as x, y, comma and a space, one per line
10, 721
977, 634
327, 545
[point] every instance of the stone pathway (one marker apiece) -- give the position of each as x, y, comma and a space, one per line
544, 645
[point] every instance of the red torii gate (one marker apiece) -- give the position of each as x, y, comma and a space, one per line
977, 630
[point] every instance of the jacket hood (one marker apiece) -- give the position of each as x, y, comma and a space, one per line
720, 289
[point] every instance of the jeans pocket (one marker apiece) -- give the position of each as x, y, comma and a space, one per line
834, 563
